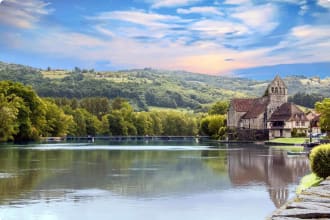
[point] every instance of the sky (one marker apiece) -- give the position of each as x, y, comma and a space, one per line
251, 38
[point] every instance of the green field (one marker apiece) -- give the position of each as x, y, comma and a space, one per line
289, 140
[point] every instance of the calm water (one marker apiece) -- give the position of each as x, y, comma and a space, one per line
153, 181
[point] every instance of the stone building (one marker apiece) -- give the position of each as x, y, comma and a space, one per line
259, 113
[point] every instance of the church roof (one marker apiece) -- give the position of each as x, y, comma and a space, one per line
242, 105
288, 112
277, 79
258, 107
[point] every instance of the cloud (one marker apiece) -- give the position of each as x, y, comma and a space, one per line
200, 10
260, 18
171, 3
324, 3
214, 28
137, 17
23, 14
237, 2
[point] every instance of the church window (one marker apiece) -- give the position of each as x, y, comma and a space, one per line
272, 89
276, 90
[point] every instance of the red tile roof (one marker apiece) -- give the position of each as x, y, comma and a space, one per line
288, 112
258, 107
242, 105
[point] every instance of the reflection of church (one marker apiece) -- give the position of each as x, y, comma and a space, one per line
276, 170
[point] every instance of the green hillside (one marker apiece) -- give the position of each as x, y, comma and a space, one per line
150, 87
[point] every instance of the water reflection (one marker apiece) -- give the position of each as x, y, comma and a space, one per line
35, 175
272, 167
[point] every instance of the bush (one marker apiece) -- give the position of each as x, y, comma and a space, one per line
320, 160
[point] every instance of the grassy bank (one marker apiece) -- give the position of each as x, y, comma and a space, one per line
299, 140
308, 181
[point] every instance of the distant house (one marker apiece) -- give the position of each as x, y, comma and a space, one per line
285, 119
271, 112
314, 119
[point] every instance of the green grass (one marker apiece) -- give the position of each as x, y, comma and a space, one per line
308, 181
289, 140
55, 74
289, 148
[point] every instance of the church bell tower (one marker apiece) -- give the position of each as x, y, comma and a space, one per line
277, 93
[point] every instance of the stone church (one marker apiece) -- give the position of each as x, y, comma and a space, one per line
271, 112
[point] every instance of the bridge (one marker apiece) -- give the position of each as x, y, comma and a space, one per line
137, 138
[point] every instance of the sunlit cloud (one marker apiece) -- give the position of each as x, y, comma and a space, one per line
261, 18
200, 10
324, 3
171, 3
23, 14
206, 38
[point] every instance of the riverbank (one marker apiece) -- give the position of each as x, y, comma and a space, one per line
313, 203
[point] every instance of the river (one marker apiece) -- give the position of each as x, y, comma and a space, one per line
145, 180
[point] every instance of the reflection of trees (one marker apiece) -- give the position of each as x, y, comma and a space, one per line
274, 168
129, 173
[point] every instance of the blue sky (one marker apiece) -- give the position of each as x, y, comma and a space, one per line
250, 38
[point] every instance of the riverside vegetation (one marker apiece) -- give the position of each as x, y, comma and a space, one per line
25, 116
36, 103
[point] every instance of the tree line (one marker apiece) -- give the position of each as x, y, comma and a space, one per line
25, 116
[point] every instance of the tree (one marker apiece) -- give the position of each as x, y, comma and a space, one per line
9, 125
214, 126
57, 122
324, 108
219, 108
31, 110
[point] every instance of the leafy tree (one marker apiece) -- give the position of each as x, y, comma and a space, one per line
96, 106
214, 125
324, 108
31, 111
307, 100
8, 116
219, 108
57, 122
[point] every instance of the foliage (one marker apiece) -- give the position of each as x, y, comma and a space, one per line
8, 116
306, 100
219, 108
214, 126
295, 133
24, 116
320, 160
149, 87
324, 108
308, 181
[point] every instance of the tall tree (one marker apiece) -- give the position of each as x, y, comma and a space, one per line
324, 108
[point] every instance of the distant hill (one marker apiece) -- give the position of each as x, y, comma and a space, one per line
150, 87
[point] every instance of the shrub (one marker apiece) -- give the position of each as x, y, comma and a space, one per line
320, 160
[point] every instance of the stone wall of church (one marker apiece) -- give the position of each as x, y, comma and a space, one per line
233, 118
254, 123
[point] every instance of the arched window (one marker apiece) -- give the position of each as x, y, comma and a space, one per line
280, 90
276, 90
272, 89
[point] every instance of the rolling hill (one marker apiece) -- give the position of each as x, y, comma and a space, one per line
150, 87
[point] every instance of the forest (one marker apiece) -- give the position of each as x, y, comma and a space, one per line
148, 88
25, 116
37, 103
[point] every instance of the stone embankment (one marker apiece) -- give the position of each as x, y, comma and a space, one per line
313, 203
